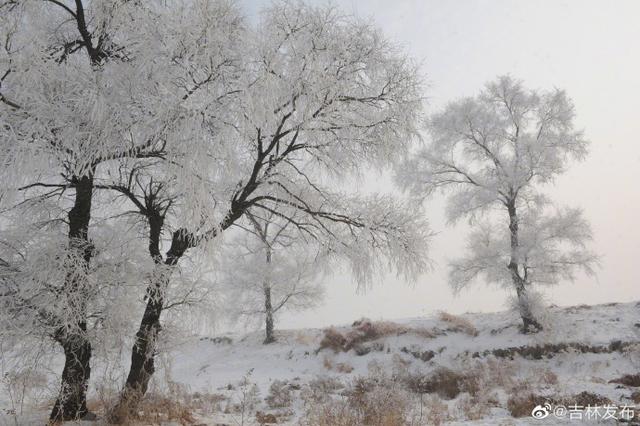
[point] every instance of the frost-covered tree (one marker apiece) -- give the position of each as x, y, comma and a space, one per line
270, 269
311, 98
494, 153
190, 118
86, 88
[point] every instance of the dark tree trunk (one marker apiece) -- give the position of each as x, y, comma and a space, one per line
142, 359
71, 402
144, 349
529, 322
268, 308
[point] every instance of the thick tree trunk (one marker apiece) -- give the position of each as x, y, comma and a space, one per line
142, 359
529, 322
71, 402
144, 349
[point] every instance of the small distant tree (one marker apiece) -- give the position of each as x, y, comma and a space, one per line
494, 152
271, 270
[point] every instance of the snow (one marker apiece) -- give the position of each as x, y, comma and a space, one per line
217, 365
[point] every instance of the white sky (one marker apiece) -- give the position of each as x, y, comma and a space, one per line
589, 48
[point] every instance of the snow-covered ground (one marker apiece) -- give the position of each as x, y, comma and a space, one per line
581, 349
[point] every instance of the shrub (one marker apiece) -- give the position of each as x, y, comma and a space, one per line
444, 382
588, 398
334, 413
343, 367
523, 405
458, 324
333, 340
363, 331
474, 407
320, 389
279, 395
266, 418
437, 411
158, 409
628, 380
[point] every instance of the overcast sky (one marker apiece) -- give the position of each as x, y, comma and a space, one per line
589, 48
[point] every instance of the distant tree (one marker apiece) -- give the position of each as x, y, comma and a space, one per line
269, 270
493, 153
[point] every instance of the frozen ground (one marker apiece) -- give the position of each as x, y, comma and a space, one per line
581, 349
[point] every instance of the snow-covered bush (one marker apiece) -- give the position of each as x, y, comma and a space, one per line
279, 395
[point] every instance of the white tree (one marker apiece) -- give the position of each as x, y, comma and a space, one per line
494, 152
317, 96
84, 90
269, 269
195, 118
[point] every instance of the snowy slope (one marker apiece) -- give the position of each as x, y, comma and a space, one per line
581, 349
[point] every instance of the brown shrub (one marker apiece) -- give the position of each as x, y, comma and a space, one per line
158, 409
334, 413
365, 330
362, 331
376, 400
523, 405
279, 395
333, 340
473, 407
320, 389
426, 333
458, 324
444, 382
327, 363
632, 380
370, 400
437, 412
266, 418
587, 398
343, 367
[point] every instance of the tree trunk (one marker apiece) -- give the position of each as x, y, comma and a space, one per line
71, 402
529, 323
268, 307
142, 358
269, 336
144, 349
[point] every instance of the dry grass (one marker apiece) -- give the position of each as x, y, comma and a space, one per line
522, 405
437, 412
365, 330
279, 395
333, 340
157, 409
176, 407
476, 407
458, 324
628, 380
377, 399
340, 367
444, 382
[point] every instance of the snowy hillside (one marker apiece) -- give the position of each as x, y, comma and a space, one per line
472, 369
